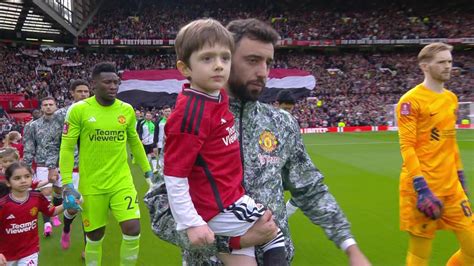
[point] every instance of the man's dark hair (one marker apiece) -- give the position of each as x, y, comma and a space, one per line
104, 67
165, 107
35, 111
77, 83
285, 96
253, 29
47, 98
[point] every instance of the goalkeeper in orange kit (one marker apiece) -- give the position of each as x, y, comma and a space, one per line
433, 189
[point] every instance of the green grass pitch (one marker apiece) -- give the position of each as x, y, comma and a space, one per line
361, 170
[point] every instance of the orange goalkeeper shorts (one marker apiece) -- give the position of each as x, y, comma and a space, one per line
456, 215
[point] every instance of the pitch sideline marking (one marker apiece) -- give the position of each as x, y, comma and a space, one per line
368, 143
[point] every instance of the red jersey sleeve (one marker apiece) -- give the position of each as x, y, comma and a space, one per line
185, 131
44, 206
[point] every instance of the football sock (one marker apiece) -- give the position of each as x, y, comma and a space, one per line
129, 250
465, 255
68, 218
94, 252
419, 251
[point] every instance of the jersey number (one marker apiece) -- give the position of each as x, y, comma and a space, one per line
465, 208
130, 207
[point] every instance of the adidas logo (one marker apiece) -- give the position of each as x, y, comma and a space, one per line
435, 134
20, 105
223, 121
11, 216
92, 119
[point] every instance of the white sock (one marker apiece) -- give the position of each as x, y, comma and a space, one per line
290, 208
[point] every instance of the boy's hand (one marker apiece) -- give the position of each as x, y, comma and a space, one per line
261, 232
200, 235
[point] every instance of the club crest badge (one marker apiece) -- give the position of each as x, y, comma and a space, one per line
122, 120
33, 211
267, 141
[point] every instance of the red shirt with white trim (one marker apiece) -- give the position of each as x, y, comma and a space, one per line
19, 224
202, 145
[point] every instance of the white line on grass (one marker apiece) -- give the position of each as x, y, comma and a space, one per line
368, 143
349, 143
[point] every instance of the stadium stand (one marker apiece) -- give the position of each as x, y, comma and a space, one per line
354, 85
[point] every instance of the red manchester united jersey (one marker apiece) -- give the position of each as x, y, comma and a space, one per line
19, 224
202, 145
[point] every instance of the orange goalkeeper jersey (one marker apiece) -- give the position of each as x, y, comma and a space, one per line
427, 132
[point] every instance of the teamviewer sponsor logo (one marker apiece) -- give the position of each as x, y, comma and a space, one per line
231, 136
100, 135
21, 228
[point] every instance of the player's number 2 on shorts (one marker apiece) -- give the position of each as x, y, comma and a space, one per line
465, 208
130, 207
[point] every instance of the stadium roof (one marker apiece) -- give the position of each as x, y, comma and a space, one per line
45, 20
33, 21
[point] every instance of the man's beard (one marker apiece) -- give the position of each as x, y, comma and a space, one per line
243, 93
439, 76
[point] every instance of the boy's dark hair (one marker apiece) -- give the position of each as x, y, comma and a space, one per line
285, 96
253, 29
35, 111
198, 33
77, 83
103, 67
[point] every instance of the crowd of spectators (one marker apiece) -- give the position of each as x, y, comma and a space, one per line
40, 73
359, 89
8, 124
302, 20
352, 87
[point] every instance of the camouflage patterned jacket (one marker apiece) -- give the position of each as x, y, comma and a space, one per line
37, 141
274, 160
59, 117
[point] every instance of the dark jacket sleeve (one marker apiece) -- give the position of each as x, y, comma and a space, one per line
140, 128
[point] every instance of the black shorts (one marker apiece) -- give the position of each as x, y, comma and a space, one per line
148, 148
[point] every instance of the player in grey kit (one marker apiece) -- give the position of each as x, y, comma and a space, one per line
274, 160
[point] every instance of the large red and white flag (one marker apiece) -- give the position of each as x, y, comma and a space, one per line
155, 87
171, 80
